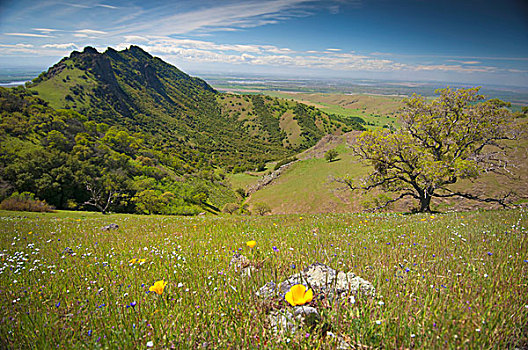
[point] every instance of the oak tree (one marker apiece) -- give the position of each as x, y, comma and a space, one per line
456, 136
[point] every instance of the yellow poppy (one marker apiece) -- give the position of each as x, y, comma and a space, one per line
141, 261
251, 244
132, 261
158, 287
298, 295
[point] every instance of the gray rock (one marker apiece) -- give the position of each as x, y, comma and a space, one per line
324, 281
268, 179
307, 314
267, 291
241, 264
282, 321
110, 227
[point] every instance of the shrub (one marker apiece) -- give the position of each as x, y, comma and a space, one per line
261, 208
230, 208
331, 155
25, 201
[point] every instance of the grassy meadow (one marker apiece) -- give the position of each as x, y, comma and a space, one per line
453, 280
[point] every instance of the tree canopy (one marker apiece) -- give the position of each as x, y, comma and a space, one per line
456, 136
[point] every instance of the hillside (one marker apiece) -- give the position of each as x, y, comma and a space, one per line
75, 163
130, 88
307, 186
128, 132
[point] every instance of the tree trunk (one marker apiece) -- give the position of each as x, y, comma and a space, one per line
425, 203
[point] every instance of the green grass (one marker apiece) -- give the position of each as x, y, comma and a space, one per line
307, 187
55, 90
455, 280
242, 180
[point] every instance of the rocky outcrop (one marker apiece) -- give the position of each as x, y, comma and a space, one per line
327, 284
268, 179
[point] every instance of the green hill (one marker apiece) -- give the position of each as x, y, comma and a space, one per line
132, 89
128, 132
307, 186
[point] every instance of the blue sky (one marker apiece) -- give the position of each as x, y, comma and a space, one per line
468, 41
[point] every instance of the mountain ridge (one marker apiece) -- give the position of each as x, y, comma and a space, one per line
144, 93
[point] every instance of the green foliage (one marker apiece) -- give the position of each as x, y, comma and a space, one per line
454, 137
72, 162
331, 155
241, 192
260, 208
25, 201
138, 93
230, 208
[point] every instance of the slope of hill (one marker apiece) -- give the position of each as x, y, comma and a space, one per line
125, 131
76, 163
307, 186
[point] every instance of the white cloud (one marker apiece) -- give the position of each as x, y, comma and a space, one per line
336, 50
222, 16
30, 35
6, 49
90, 32
77, 35
205, 51
45, 30
70, 46
464, 62
135, 38
107, 6
455, 68
17, 45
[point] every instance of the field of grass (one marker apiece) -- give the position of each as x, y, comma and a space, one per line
307, 187
455, 280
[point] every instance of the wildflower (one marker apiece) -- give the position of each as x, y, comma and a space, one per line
133, 304
378, 322
298, 295
132, 261
151, 343
275, 249
158, 287
251, 244
58, 304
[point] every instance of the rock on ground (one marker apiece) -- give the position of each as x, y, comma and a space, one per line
324, 281
110, 227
